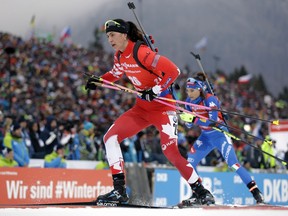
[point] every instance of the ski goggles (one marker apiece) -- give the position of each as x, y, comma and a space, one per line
193, 83
112, 25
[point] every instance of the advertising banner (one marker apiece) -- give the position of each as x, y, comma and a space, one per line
227, 187
50, 185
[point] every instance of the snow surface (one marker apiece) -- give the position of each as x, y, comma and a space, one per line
87, 211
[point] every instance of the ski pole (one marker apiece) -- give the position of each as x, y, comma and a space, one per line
197, 57
123, 88
232, 135
258, 148
219, 123
275, 122
115, 86
158, 99
221, 130
148, 39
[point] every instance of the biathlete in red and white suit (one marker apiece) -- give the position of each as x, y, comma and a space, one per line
155, 81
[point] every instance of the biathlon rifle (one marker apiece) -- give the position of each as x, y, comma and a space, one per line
148, 38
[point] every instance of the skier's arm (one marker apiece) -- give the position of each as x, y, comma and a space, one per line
213, 114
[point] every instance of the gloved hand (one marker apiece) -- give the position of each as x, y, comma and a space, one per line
92, 83
187, 117
150, 94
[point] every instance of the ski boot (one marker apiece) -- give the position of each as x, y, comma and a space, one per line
256, 192
192, 201
200, 196
115, 197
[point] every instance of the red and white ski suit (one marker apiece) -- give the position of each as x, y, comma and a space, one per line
145, 113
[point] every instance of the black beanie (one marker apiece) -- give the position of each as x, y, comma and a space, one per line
15, 127
117, 25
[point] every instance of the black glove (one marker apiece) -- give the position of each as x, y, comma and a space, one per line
92, 83
148, 95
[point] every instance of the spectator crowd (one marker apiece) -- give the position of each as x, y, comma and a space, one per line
46, 113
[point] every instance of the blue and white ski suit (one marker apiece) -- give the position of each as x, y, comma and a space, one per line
210, 138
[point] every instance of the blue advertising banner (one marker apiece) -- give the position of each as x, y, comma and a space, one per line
227, 187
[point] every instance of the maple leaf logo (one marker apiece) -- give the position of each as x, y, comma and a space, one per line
169, 130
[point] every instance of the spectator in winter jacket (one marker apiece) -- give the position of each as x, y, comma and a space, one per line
5, 124
50, 134
25, 134
14, 141
86, 137
36, 142
268, 147
70, 138
56, 159
6, 158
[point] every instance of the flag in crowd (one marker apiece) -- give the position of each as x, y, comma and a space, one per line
65, 34
202, 44
245, 79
